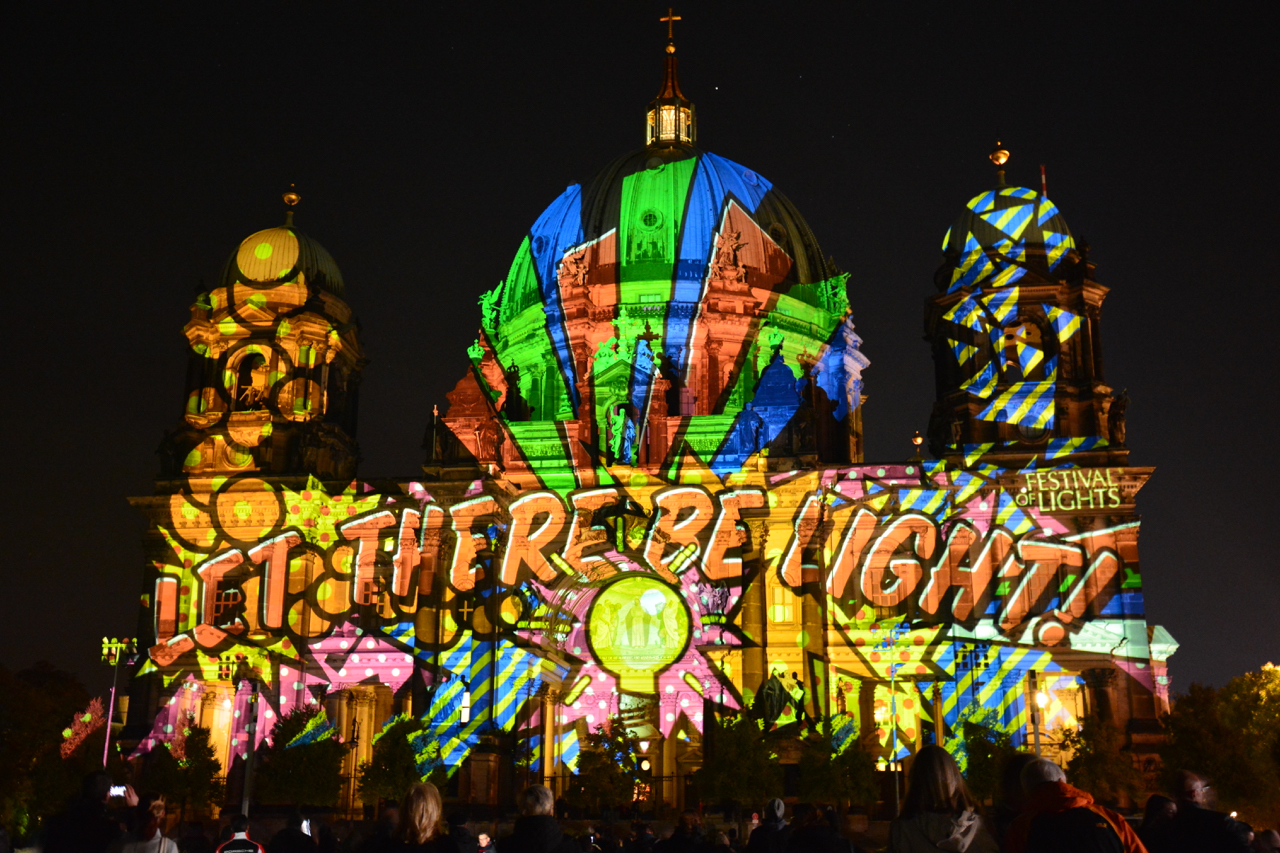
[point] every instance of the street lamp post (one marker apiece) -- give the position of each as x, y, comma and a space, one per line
244, 673
112, 651
893, 722
892, 634
1036, 716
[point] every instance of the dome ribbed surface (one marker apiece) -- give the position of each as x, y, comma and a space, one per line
1003, 234
278, 255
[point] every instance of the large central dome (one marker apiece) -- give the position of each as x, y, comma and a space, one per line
643, 237
676, 306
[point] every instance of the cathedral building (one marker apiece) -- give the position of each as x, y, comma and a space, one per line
646, 499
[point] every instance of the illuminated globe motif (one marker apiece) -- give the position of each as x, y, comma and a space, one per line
638, 626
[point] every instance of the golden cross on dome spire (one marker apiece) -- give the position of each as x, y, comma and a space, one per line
670, 20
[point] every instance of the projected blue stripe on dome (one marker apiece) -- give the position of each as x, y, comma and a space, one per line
557, 229
715, 180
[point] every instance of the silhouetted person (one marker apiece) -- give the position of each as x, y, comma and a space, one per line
536, 830
1012, 799
772, 833
148, 835
1157, 818
293, 838
939, 813
194, 839
87, 826
383, 831
816, 830
418, 829
240, 842
1063, 819
642, 838
460, 835
1197, 828
1266, 841
686, 837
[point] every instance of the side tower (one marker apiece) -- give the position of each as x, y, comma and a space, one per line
273, 369
1026, 424
274, 366
1015, 331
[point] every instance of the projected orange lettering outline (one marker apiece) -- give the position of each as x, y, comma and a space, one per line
367, 531
274, 557
681, 514
919, 530
728, 533
905, 568
526, 546
462, 571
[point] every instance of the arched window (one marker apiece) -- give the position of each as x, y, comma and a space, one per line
1023, 355
252, 386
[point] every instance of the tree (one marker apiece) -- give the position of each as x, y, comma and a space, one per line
184, 770
1097, 763
607, 769
986, 750
1231, 735
834, 769
307, 774
36, 705
200, 769
740, 766
393, 768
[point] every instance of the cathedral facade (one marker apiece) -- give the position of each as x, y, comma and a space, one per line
647, 498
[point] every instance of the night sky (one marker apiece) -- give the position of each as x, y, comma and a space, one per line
141, 143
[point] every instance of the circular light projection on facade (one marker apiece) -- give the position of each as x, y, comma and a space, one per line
637, 627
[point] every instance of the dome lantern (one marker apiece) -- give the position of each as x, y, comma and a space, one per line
670, 119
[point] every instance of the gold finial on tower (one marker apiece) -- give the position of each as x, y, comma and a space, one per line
1000, 156
291, 198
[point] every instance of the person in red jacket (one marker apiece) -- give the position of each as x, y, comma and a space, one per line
1061, 819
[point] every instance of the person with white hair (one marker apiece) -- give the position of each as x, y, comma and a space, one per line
1062, 819
536, 830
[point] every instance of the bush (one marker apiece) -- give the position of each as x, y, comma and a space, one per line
837, 773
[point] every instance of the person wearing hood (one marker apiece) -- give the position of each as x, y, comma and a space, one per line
939, 813
772, 833
1059, 818
536, 830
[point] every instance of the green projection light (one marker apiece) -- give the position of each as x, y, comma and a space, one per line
637, 627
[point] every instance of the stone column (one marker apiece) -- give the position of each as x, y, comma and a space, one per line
550, 757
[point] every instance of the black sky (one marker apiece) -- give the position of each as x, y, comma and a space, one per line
140, 143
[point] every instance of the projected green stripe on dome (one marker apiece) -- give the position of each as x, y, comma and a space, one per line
514, 318
652, 206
